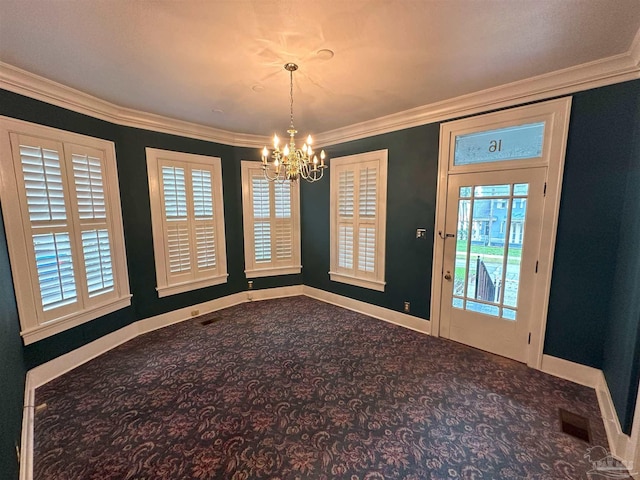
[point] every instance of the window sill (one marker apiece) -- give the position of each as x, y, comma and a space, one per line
358, 282
272, 271
73, 320
168, 290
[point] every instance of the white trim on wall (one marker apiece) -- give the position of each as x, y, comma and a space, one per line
606, 71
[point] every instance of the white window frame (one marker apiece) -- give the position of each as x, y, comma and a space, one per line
166, 285
276, 266
376, 279
37, 323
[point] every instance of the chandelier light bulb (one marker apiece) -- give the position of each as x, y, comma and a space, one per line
276, 141
309, 141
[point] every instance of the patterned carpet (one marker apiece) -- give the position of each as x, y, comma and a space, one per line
298, 389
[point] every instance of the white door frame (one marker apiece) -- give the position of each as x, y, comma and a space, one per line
555, 114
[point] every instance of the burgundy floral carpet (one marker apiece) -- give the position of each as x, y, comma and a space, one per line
298, 389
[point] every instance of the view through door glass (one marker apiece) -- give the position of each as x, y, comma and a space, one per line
490, 231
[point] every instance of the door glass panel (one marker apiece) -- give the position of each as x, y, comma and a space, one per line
511, 143
491, 190
521, 189
489, 238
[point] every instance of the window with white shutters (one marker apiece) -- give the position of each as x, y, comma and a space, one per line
187, 220
358, 217
64, 227
271, 221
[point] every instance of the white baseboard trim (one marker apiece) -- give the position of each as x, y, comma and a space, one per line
574, 372
620, 444
381, 313
26, 441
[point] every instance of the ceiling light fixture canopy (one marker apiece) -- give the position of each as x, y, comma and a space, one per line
292, 163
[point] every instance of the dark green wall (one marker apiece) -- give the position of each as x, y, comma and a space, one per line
12, 368
621, 354
411, 199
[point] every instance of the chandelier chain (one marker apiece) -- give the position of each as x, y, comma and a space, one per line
291, 95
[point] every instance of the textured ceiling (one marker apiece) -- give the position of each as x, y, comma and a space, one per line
187, 59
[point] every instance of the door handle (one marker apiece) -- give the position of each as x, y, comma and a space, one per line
446, 235
447, 276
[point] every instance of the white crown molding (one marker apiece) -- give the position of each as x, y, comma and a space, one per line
25, 83
599, 73
607, 71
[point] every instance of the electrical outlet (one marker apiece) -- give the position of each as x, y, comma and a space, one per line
195, 313
407, 307
421, 233
250, 284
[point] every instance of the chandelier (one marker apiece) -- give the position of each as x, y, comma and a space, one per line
291, 163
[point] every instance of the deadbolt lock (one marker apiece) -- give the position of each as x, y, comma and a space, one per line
447, 276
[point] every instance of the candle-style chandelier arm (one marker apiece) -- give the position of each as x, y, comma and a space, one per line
292, 163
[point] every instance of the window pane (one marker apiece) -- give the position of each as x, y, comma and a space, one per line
202, 194
492, 190
175, 193
260, 191
43, 183
178, 246
511, 143
55, 269
87, 173
345, 246
262, 241
282, 192
367, 249
97, 261
367, 193
205, 245
345, 193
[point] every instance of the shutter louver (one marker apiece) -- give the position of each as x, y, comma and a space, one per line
87, 172
178, 246
43, 183
346, 193
368, 195
54, 266
175, 193
345, 246
206, 246
367, 249
262, 241
97, 261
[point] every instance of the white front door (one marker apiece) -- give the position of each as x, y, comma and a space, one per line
493, 225
499, 182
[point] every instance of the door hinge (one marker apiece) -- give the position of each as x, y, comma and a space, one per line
529, 341
536, 266
544, 191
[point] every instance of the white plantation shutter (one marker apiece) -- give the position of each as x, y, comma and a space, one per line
358, 197
63, 224
187, 220
271, 223
88, 176
203, 219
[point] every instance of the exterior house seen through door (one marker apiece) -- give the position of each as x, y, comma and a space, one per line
498, 197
